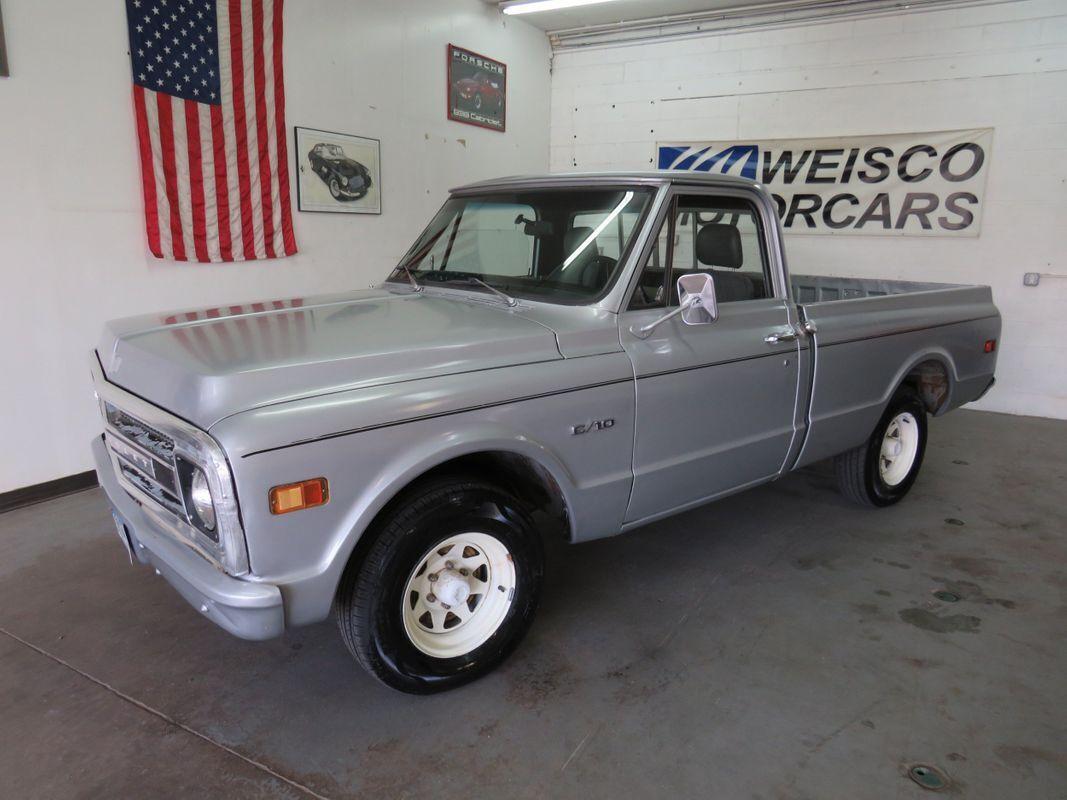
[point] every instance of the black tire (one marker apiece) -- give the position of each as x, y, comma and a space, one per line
477, 102
369, 601
335, 188
858, 475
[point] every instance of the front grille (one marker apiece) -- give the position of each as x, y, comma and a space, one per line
155, 457
161, 446
155, 491
145, 459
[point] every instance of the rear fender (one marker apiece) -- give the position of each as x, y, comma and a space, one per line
846, 407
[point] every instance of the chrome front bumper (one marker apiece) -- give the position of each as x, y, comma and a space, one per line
244, 608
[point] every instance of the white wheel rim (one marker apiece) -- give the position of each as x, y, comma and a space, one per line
900, 444
458, 594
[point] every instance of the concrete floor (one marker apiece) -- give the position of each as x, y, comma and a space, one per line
779, 644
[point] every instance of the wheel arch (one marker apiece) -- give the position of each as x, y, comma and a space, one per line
516, 463
932, 374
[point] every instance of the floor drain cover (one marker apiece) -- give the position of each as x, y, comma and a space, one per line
954, 521
946, 597
928, 777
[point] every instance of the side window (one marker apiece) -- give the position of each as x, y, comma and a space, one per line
719, 236
722, 237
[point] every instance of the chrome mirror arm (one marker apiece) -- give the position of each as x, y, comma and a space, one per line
644, 331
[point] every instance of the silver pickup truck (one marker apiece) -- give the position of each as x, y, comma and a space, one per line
580, 354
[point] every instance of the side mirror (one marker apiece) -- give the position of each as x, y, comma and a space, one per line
696, 298
696, 304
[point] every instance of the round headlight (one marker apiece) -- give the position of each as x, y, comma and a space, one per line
200, 495
344, 181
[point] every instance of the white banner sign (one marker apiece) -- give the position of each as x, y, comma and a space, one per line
904, 184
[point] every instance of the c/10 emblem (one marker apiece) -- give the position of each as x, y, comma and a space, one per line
595, 425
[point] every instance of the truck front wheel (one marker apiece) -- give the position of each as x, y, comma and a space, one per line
447, 589
882, 470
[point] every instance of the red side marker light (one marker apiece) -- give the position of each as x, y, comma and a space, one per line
990, 345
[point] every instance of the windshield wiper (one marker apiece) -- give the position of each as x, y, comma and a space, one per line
415, 285
507, 298
456, 277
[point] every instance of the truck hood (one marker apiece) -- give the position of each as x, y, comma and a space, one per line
207, 364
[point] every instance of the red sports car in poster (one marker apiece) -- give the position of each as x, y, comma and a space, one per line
477, 89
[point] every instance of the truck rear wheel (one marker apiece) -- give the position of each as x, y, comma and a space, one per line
882, 470
447, 589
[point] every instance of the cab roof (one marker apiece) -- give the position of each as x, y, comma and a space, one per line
648, 177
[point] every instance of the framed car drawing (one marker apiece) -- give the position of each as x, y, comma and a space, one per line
338, 172
477, 89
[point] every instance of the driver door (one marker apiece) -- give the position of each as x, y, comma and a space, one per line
716, 403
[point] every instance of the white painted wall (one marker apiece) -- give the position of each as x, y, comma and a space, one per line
1002, 66
72, 246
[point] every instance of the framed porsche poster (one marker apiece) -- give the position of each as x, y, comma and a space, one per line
338, 172
477, 89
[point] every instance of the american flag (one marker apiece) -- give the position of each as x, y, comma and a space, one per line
210, 109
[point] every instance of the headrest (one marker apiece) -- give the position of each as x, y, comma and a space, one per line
719, 245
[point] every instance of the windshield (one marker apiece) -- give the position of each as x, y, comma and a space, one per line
334, 151
559, 245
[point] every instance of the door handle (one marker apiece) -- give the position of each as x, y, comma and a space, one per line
780, 336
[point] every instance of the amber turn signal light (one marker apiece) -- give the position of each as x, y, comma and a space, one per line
300, 495
990, 345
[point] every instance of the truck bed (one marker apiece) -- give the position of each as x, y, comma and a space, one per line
865, 348
822, 288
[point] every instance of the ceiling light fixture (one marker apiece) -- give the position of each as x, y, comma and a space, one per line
530, 6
